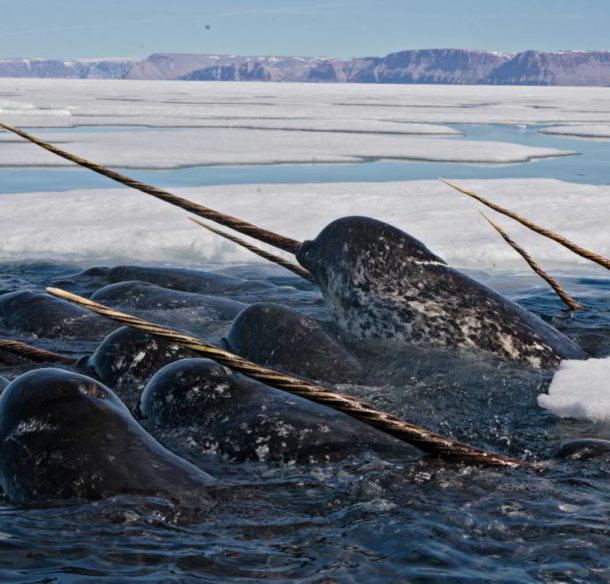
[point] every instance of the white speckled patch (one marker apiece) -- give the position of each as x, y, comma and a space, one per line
31, 426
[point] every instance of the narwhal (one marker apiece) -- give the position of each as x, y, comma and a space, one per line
64, 436
378, 282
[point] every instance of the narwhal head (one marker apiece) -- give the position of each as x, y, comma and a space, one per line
358, 246
65, 435
363, 265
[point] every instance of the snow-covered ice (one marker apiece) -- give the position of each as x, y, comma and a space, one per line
122, 224
580, 389
214, 146
177, 103
252, 123
580, 130
261, 123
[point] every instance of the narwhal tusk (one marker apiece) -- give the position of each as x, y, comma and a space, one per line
554, 284
429, 442
32, 353
585, 253
279, 241
298, 270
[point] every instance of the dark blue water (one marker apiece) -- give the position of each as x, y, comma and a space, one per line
590, 166
366, 518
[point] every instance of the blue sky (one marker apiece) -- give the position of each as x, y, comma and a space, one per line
136, 28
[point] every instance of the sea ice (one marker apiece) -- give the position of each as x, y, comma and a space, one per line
580, 389
581, 130
165, 149
28, 102
194, 123
124, 225
261, 123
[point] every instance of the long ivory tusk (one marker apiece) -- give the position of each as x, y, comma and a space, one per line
554, 284
298, 270
29, 352
279, 241
581, 251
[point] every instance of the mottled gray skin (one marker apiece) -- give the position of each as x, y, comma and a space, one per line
46, 316
3, 383
89, 279
243, 419
186, 280
380, 283
583, 449
281, 338
146, 296
66, 436
194, 281
130, 357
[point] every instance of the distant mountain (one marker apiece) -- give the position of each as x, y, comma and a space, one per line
559, 68
453, 66
69, 69
447, 66
253, 71
424, 66
235, 68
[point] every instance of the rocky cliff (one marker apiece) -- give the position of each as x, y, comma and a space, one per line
448, 66
68, 69
453, 66
559, 68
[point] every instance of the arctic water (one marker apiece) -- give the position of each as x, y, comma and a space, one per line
366, 518
588, 166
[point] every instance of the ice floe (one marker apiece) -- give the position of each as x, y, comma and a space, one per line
580, 389
580, 130
166, 149
121, 224
178, 103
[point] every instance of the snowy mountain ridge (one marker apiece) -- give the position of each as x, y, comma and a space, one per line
111, 68
431, 66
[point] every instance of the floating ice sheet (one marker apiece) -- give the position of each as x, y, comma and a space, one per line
581, 130
122, 224
218, 146
30, 102
580, 389
262, 123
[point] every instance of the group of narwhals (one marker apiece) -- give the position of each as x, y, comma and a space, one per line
64, 434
